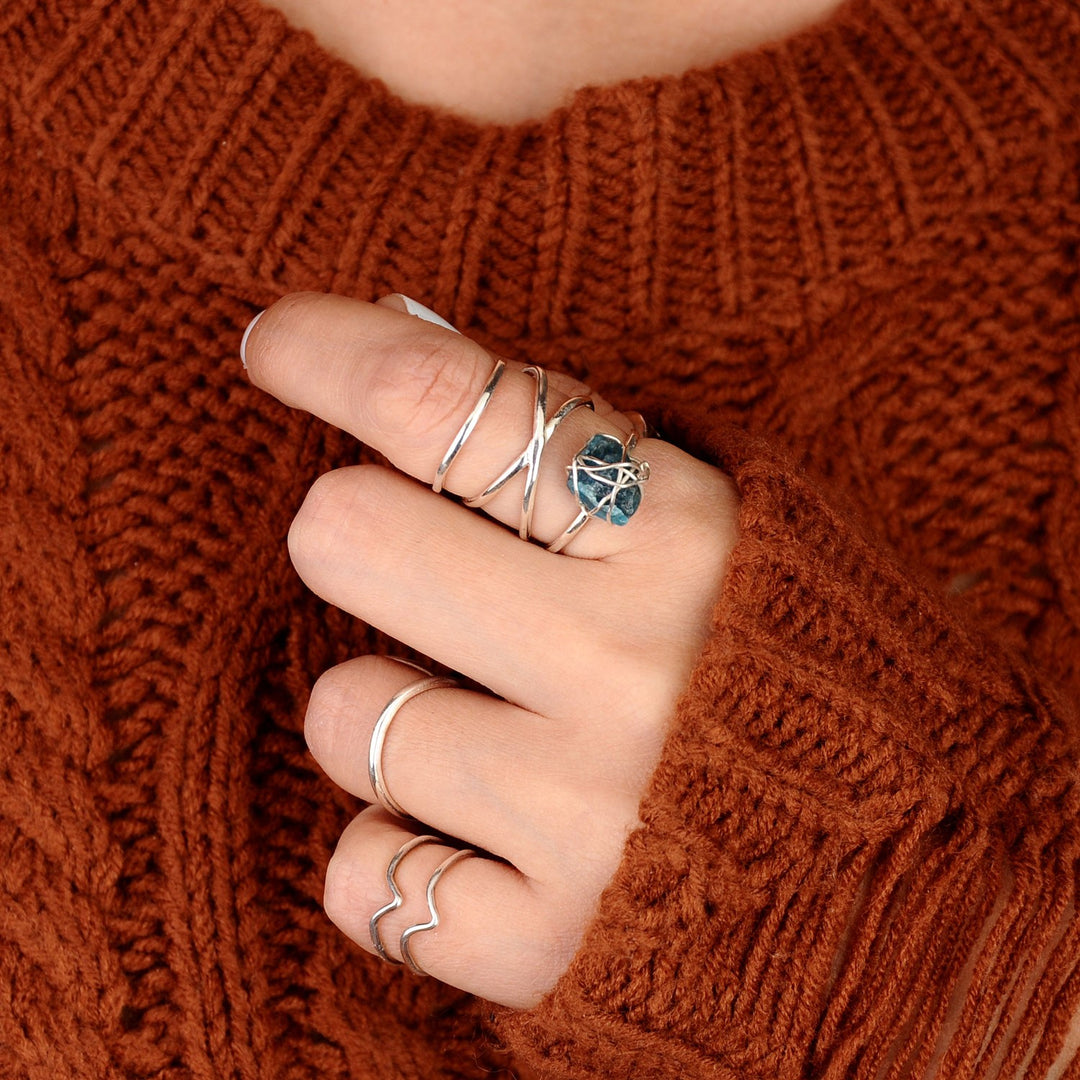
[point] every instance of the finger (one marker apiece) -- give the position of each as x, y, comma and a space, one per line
472, 766
492, 938
469, 594
406, 387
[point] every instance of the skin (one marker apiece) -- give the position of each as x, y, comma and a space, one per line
469, 56
546, 771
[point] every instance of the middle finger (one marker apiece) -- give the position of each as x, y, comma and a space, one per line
527, 624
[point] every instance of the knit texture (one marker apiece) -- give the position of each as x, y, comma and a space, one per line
844, 268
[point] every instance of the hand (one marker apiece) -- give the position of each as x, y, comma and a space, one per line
585, 652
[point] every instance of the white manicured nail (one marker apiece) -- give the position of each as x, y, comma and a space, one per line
415, 308
243, 340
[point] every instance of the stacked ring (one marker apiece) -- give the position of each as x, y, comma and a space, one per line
409, 933
397, 899
604, 476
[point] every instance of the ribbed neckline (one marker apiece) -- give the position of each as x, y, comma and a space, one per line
221, 128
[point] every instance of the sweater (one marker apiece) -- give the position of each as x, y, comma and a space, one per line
842, 267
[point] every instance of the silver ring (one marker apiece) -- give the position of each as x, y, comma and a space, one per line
529, 458
433, 912
396, 898
378, 738
469, 426
604, 476
606, 480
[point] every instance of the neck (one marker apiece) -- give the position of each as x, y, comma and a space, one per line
510, 60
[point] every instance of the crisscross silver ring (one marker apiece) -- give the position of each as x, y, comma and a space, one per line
604, 476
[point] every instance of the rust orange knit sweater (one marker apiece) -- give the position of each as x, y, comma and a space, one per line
844, 268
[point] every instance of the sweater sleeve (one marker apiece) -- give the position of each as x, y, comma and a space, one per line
858, 855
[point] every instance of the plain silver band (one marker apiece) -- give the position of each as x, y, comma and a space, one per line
433, 912
468, 427
378, 738
396, 898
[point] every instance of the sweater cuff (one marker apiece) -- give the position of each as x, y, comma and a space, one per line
859, 846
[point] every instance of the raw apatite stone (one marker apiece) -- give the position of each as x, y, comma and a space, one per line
593, 483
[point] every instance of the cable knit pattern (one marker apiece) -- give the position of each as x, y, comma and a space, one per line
846, 268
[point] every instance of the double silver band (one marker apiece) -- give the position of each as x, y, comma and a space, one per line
378, 738
397, 899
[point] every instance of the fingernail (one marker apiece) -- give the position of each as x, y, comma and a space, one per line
243, 340
414, 307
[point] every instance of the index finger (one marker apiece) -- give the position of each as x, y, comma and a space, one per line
405, 386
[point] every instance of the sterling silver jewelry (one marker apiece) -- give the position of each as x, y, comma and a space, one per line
470, 424
396, 898
433, 912
604, 476
606, 480
529, 458
378, 738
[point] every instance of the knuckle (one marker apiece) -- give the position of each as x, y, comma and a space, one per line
320, 513
339, 509
339, 697
328, 707
426, 387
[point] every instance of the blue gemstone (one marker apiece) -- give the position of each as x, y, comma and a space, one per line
594, 484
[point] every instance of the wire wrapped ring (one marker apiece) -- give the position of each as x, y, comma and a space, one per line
606, 480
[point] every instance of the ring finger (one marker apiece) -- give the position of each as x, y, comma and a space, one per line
472, 766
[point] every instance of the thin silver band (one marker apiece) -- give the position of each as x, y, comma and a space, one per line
396, 898
378, 738
433, 912
468, 427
